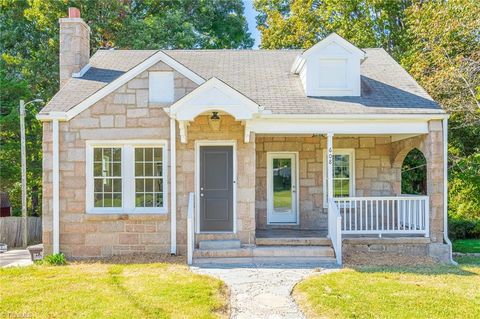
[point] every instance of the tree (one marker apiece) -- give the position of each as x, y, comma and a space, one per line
437, 41
302, 23
444, 56
29, 35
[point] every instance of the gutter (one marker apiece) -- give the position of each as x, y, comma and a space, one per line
445, 189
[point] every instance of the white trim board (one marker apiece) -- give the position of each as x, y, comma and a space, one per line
199, 143
132, 73
317, 126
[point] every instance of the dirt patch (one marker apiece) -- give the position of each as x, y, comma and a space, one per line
136, 258
385, 259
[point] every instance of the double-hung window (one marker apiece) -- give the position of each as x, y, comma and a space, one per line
126, 177
343, 174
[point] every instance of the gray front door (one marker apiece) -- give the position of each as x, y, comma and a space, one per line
216, 188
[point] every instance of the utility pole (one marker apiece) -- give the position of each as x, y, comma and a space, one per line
24, 168
24, 173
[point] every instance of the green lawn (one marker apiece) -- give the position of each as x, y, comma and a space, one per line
110, 291
466, 246
369, 292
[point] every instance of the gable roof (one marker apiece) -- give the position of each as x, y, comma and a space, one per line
334, 38
214, 95
263, 76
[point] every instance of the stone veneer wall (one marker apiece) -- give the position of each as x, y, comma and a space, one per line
124, 114
199, 130
431, 145
374, 174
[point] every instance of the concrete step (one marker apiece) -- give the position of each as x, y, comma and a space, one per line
223, 253
274, 261
293, 251
293, 241
219, 244
290, 252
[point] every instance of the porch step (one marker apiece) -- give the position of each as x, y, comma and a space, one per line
219, 244
268, 261
296, 241
266, 255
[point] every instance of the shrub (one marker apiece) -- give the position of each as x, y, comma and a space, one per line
463, 229
55, 259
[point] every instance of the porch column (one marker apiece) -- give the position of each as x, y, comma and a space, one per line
329, 175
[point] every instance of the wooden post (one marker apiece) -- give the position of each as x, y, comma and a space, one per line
329, 175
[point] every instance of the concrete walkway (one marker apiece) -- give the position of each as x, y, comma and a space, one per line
261, 291
16, 257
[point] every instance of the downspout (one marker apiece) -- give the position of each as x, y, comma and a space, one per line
56, 188
445, 188
173, 188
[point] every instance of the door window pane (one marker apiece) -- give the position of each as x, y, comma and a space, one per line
282, 184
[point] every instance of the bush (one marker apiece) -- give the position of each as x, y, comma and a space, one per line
55, 259
463, 229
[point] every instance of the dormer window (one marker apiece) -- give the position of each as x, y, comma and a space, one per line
330, 68
161, 87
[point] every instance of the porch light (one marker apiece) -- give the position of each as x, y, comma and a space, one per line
214, 122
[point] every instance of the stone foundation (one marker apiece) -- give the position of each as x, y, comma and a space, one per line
408, 247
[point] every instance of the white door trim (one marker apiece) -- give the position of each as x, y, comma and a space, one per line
199, 143
270, 156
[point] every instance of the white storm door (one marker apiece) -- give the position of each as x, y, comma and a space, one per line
282, 188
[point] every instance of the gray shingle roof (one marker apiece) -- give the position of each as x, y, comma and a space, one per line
264, 76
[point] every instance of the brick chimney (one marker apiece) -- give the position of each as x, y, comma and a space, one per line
74, 45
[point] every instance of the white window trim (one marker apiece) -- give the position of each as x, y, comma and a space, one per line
339, 151
128, 177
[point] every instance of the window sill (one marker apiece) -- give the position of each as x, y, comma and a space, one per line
106, 216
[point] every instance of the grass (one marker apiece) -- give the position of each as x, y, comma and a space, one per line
110, 291
394, 292
466, 246
282, 199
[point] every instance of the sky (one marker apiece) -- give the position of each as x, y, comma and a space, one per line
250, 13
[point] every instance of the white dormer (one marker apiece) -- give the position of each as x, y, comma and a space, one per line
330, 68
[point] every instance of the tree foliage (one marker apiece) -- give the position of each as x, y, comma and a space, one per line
29, 36
302, 23
437, 41
414, 173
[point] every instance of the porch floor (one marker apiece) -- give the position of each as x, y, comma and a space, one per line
290, 233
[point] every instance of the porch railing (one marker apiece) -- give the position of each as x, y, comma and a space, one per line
405, 214
190, 228
335, 230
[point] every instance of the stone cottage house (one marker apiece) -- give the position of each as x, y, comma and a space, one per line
239, 155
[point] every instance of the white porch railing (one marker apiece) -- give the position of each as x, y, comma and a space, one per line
335, 230
190, 228
405, 214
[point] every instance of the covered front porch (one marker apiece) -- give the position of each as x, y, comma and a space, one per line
346, 185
